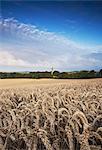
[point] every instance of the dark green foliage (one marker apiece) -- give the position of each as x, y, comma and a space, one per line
84, 74
100, 73
56, 73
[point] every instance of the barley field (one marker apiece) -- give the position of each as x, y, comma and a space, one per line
50, 114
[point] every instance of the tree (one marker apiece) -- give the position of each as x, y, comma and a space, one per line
100, 72
56, 73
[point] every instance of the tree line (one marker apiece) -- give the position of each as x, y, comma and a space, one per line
84, 74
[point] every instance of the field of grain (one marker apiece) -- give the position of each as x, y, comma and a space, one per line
50, 114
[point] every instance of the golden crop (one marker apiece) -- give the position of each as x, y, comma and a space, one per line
57, 117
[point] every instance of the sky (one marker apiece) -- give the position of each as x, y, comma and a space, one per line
39, 35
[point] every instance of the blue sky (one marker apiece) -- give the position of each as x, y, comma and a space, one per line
38, 35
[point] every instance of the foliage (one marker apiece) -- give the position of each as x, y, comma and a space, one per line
56, 74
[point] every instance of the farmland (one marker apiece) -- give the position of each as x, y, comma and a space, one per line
50, 114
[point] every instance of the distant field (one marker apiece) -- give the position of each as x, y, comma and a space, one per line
13, 83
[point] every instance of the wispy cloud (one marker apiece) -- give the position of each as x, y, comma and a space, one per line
97, 56
27, 45
8, 59
70, 21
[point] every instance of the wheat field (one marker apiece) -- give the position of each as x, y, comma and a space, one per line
50, 114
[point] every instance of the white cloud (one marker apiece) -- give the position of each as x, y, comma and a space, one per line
8, 59
27, 45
